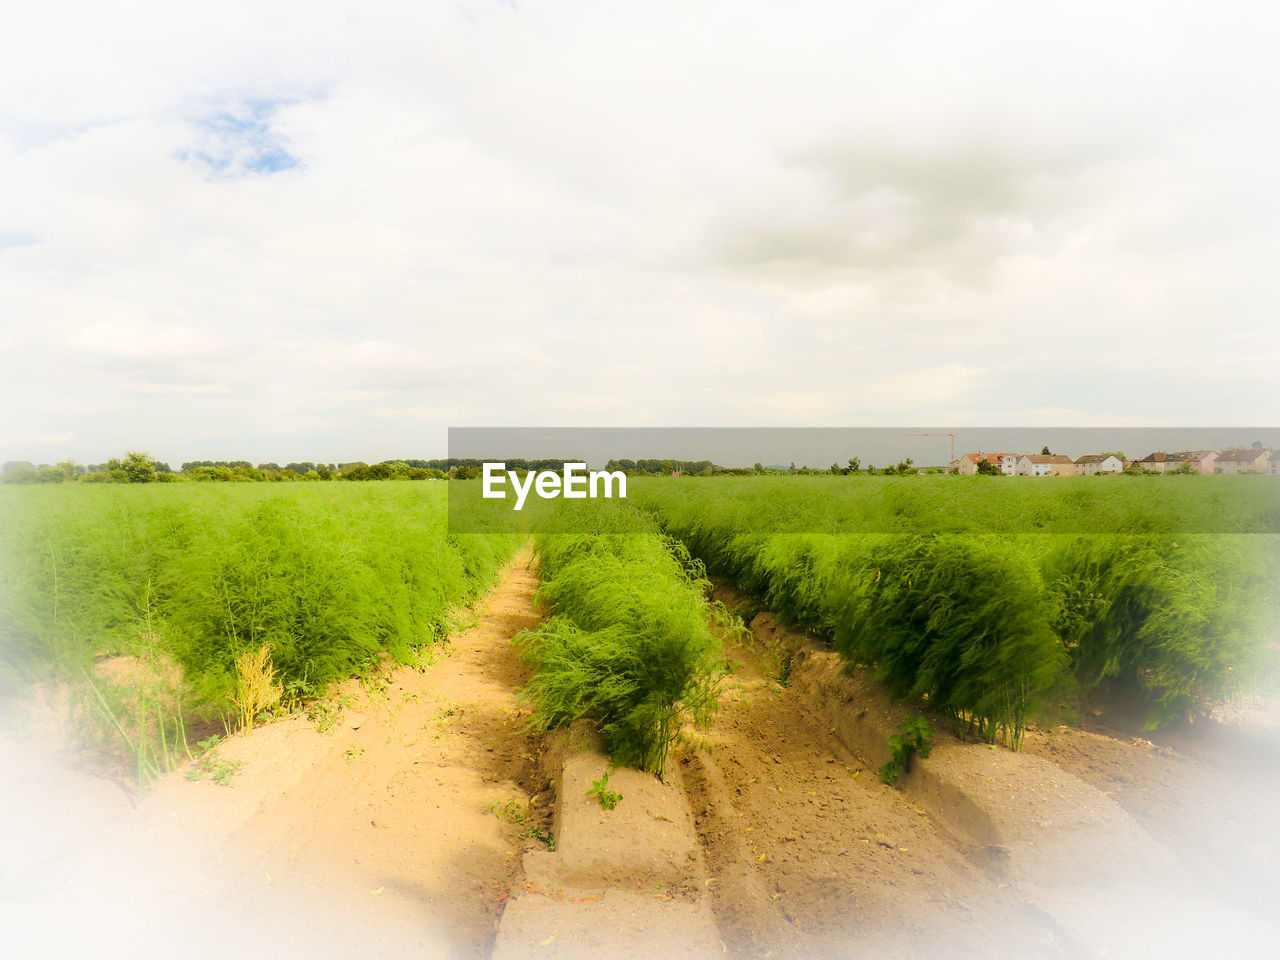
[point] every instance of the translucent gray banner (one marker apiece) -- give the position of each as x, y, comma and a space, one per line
899, 480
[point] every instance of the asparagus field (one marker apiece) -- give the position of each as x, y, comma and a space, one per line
189, 584
989, 628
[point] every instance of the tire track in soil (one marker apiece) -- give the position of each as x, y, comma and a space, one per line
812, 855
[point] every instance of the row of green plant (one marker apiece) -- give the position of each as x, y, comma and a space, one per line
628, 642
988, 628
205, 591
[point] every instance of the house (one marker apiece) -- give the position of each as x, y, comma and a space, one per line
1155, 462
1092, 463
1244, 461
1202, 461
1045, 465
967, 465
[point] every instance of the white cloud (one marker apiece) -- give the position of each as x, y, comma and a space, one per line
366, 227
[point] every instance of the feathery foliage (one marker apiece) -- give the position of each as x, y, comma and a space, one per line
983, 626
627, 644
327, 576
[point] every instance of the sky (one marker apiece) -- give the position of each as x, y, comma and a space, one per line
309, 231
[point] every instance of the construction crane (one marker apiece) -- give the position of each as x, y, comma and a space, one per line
951, 435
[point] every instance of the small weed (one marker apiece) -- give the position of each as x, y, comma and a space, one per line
509, 810
786, 660
211, 766
513, 812
608, 798
353, 754
544, 838
376, 686
913, 736
327, 713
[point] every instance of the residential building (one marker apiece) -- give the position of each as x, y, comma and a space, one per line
1244, 461
1045, 465
967, 465
1202, 461
1155, 462
1092, 463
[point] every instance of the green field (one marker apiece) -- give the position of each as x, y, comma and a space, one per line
990, 627
985, 627
327, 576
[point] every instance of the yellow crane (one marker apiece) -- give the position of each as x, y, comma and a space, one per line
953, 442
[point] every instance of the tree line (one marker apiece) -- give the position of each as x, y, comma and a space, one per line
140, 467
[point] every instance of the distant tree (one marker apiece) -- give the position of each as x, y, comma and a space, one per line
273, 467
758, 467
19, 471
323, 471
988, 469
1045, 451
138, 467
854, 464
1256, 445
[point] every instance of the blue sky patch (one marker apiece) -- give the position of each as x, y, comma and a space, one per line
241, 140
12, 238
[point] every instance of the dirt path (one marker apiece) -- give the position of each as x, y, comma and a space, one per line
377, 837
399, 813
1211, 796
812, 855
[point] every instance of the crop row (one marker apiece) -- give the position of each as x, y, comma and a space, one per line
196, 576
628, 643
988, 628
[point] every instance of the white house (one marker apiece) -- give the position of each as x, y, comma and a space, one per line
1092, 463
1045, 465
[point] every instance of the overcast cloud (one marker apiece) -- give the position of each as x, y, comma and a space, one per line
304, 231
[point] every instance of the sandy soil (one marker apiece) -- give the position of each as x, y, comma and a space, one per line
811, 855
1211, 794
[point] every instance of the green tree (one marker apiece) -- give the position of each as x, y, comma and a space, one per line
988, 469
138, 467
854, 464
20, 471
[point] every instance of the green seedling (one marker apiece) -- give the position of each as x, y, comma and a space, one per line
914, 736
608, 798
